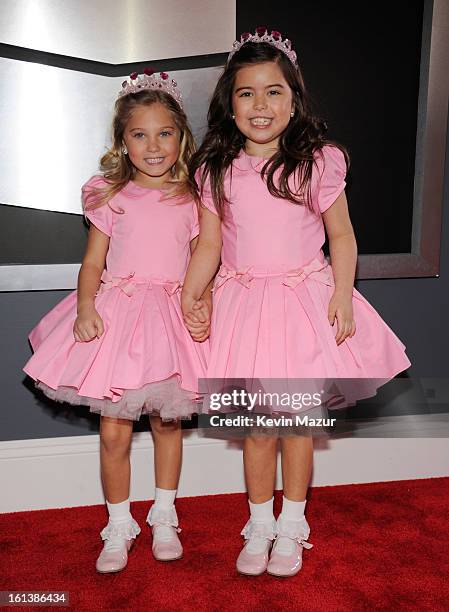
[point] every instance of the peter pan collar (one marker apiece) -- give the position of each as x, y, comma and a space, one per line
246, 162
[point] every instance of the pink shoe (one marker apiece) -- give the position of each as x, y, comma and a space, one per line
253, 559
164, 524
118, 542
291, 539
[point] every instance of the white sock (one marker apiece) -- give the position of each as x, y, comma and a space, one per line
291, 511
260, 513
118, 513
165, 498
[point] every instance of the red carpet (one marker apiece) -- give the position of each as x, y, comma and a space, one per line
382, 546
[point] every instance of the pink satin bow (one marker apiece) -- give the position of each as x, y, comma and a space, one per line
128, 284
320, 271
224, 274
172, 287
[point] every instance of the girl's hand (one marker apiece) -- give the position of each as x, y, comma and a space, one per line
197, 320
200, 336
88, 324
187, 302
198, 331
202, 309
341, 309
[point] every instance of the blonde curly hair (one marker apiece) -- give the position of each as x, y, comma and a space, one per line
117, 168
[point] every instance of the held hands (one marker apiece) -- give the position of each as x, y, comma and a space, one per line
340, 308
197, 317
88, 324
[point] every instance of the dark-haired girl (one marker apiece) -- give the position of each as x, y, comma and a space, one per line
270, 184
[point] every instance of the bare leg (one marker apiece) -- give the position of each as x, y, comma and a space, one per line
259, 459
297, 459
167, 452
115, 442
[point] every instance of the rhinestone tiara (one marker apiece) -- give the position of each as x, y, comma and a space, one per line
273, 38
150, 80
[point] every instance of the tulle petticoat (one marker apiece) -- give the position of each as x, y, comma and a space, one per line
165, 399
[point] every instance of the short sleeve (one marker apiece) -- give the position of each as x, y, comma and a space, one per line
195, 222
102, 216
206, 197
332, 176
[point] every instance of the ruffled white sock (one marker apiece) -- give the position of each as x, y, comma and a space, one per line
164, 499
291, 511
119, 514
260, 514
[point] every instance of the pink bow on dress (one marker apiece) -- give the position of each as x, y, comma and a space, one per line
317, 269
224, 274
128, 284
320, 271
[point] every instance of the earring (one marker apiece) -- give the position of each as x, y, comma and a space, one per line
124, 150
233, 116
292, 114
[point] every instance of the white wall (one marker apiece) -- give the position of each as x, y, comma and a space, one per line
64, 472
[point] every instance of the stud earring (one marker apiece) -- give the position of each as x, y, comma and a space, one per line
124, 150
292, 114
233, 116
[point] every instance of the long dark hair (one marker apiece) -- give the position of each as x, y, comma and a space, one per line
303, 136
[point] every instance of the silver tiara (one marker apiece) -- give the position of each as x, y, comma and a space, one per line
274, 38
150, 80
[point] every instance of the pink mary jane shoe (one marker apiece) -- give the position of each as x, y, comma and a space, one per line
118, 542
253, 559
164, 523
291, 539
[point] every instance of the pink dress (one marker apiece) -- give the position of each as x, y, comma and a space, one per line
145, 361
273, 289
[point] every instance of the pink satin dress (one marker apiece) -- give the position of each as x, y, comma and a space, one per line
145, 361
272, 292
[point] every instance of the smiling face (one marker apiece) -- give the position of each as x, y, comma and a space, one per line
153, 141
262, 102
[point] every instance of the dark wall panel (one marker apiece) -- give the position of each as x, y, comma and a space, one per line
30, 236
361, 65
